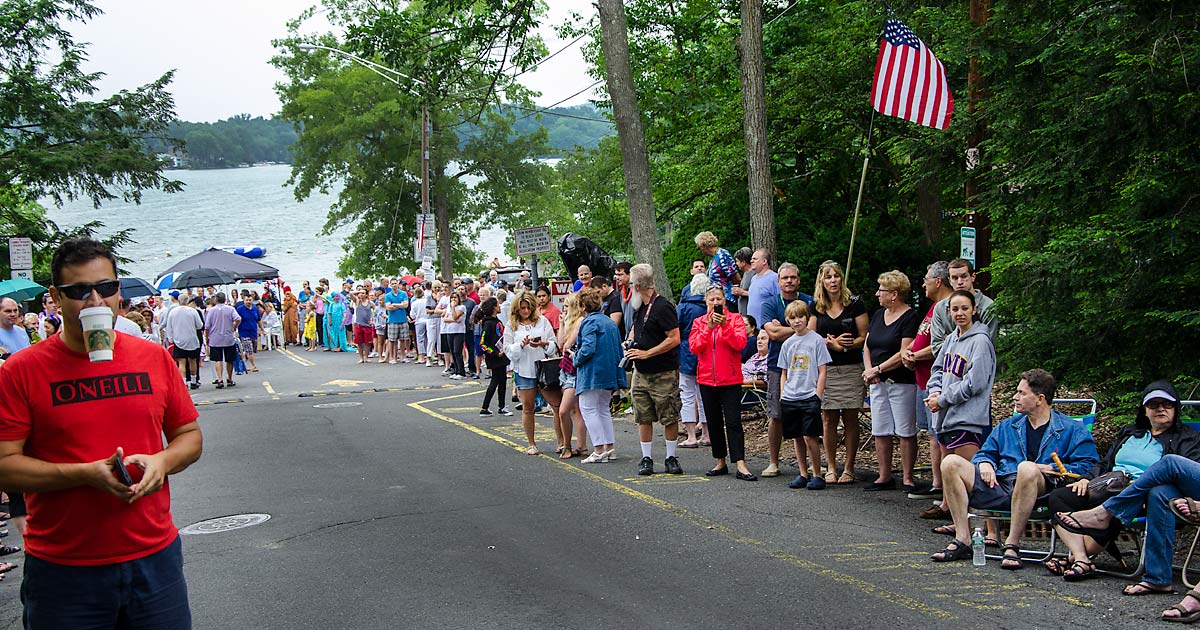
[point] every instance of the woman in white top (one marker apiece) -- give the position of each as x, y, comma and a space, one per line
528, 339
433, 325
416, 315
454, 330
443, 306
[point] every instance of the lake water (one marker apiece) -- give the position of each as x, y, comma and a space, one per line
230, 207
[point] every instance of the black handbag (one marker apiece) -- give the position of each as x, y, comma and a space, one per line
548, 376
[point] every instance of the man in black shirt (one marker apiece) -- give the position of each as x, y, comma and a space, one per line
612, 302
653, 350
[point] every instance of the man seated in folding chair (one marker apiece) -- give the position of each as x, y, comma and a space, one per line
1015, 467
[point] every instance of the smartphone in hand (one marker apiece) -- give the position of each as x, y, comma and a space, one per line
719, 309
121, 474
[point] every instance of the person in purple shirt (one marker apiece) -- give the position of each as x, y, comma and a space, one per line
249, 328
220, 330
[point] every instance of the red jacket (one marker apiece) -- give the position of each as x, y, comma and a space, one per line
718, 350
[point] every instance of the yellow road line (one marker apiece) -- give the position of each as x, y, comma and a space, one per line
267, 386
699, 521
298, 359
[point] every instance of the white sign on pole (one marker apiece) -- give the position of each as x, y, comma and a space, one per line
22, 274
428, 227
966, 248
20, 253
533, 240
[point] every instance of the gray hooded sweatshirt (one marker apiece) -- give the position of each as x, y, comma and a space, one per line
963, 373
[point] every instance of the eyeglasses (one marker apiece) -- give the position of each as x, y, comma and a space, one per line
81, 290
1159, 404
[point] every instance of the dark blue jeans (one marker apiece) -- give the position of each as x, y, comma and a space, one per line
149, 592
1169, 478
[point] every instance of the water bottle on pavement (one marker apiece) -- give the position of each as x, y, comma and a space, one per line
977, 557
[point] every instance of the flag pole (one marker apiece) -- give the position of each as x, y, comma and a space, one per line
862, 182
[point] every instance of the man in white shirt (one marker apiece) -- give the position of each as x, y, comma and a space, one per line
182, 329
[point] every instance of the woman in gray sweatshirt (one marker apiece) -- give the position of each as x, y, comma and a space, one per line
960, 385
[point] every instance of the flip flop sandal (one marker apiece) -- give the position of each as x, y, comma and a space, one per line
945, 530
1192, 517
831, 477
1185, 615
847, 477
1057, 566
5, 567
1143, 588
991, 543
689, 445
6, 550
1006, 562
1067, 521
1079, 571
956, 550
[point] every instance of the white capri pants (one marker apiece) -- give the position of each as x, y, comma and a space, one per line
893, 410
432, 336
689, 393
597, 416
421, 338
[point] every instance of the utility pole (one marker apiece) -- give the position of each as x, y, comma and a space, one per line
980, 10
614, 40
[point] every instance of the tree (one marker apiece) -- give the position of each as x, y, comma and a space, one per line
54, 142
754, 117
640, 197
357, 129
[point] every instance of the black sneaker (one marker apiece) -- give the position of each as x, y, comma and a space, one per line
485, 412
195, 385
926, 493
646, 467
672, 466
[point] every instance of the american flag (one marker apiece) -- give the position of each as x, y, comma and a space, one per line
910, 82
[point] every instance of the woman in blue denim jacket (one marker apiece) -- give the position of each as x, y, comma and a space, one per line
597, 356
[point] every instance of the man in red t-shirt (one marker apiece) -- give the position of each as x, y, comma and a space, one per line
97, 550
919, 358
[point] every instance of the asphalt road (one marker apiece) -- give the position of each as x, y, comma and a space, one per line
401, 508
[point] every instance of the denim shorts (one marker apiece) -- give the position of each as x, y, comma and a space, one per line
524, 382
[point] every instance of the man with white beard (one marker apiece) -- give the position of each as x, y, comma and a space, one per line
652, 347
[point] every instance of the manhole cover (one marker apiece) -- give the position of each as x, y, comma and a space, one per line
225, 524
335, 405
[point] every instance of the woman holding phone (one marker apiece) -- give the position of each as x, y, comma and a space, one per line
841, 320
528, 339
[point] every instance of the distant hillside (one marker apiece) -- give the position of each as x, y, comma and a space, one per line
242, 140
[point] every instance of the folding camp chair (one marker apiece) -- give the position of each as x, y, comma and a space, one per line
754, 396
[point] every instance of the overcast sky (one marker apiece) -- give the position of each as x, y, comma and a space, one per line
221, 49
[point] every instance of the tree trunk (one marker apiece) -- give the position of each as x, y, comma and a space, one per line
754, 124
614, 40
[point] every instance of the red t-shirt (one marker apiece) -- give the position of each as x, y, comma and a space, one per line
923, 340
70, 410
552, 315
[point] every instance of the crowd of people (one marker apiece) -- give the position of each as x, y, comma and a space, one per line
742, 323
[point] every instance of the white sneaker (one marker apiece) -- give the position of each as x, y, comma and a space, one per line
372, 355
770, 471
428, 363
505, 412
407, 361
456, 377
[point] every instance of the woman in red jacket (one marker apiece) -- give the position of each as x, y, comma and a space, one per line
717, 339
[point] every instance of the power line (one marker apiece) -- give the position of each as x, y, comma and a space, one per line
781, 13
564, 100
559, 114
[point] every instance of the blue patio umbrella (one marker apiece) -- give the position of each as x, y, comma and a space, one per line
166, 281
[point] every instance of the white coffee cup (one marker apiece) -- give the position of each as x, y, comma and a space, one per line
98, 333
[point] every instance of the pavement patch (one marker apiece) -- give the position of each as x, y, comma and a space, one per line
336, 405
203, 403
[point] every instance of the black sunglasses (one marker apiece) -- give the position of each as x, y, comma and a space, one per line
81, 290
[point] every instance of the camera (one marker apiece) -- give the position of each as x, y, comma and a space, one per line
628, 345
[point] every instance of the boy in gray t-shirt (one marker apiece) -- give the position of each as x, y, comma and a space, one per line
803, 360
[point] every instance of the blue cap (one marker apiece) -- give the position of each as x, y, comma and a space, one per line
174, 294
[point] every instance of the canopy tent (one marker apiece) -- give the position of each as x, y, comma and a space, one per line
240, 267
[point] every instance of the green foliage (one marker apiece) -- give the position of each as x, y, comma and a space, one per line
567, 128
236, 141
54, 142
362, 130
1089, 155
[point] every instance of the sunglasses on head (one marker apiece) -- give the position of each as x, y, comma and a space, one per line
81, 290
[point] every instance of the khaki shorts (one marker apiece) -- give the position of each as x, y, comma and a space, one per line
656, 398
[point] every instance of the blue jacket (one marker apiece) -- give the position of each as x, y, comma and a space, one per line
598, 354
689, 309
1005, 447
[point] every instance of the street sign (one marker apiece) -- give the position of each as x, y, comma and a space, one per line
559, 290
20, 253
426, 243
533, 240
966, 247
22, 274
